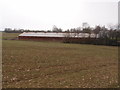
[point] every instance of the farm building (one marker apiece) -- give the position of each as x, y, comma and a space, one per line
52, 36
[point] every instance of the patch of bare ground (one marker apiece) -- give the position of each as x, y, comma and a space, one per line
56, 65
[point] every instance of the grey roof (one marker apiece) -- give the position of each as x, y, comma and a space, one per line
42, 34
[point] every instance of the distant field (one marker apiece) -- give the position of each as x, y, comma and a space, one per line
10, 35
57, 65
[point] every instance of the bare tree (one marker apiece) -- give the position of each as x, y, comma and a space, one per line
55, 29
97, 30
87, 30
85, 25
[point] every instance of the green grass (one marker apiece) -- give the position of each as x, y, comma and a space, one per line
57, 65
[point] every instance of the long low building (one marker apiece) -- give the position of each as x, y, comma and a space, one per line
52, 36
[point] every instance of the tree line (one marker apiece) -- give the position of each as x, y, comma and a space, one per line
102, 35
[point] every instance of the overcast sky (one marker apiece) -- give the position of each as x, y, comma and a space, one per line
65, 14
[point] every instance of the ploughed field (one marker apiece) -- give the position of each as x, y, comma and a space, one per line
30, 64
